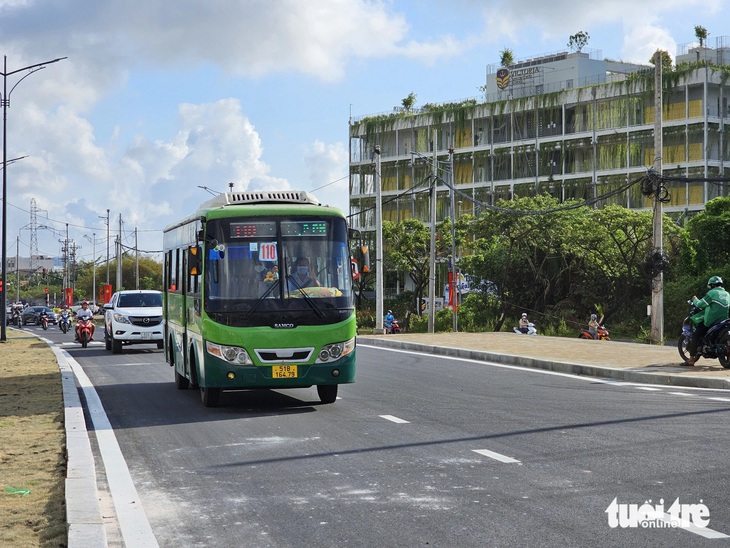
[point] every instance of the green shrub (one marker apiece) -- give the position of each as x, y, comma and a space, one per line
478, 312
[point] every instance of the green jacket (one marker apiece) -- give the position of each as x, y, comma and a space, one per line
715, 304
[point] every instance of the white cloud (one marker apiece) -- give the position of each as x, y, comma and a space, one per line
555, 21
327, 169
641, 42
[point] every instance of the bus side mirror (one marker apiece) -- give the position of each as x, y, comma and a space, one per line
365, 259
194, 254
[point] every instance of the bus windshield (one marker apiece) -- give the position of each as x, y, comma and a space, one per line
261, 271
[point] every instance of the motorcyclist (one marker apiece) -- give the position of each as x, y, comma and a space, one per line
16, 315
65, 314
524, 323
593, 326
83, 313
389, 319
715, 304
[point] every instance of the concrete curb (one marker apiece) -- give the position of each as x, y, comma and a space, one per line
638, 375
83, 512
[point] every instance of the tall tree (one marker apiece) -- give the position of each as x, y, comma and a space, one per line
506, 57
520, 252
578, 41
408, 249
710, 235
409, 102
701, 34
666, 61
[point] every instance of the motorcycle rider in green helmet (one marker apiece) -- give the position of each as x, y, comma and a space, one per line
715, 305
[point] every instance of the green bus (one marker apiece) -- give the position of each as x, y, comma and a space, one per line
258, 293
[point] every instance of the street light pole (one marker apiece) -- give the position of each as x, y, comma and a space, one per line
6, 103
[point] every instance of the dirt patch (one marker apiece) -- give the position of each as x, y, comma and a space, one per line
32, 445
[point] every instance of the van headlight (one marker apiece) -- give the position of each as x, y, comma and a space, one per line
121, 318
232, 354
335, 351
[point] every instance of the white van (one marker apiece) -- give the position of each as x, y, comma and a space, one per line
133, 317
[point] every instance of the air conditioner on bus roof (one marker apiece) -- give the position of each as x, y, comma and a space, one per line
264, 197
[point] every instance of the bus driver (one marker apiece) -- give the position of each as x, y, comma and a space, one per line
302, 275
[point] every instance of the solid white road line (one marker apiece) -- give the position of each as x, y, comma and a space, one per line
135, 527
702, 531
496, 456
391, 418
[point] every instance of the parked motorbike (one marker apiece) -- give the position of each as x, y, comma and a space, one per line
86, 331
393, 328
531, 330
43, 320
64, 322
715, 344
601, 334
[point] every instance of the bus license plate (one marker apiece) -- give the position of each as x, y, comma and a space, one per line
284, 371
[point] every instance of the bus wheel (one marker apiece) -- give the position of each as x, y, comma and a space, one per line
327, 392
210, 396
181, 382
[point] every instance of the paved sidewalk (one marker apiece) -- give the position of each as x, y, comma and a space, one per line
630, 362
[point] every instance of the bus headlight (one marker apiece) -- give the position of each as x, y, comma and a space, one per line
231, 354
335, 351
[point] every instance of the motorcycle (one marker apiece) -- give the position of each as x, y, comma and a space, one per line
86, 331
715, 344
531, 330
43, 320
601, 334
393, 328
17, 318
64, 323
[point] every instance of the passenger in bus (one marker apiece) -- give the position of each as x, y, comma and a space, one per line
302, 275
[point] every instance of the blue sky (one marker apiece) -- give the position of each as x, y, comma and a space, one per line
158, 98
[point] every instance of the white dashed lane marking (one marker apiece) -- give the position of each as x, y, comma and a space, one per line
496, 456
391, 418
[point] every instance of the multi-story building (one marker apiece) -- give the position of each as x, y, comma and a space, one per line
570, 124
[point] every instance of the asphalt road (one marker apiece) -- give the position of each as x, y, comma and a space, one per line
419, 451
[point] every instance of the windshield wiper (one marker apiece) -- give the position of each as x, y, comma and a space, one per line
260, 299
307, 298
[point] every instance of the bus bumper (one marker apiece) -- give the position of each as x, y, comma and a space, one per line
223, 375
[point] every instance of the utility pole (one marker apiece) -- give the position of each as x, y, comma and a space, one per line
93, 265
119, 255
72, 272
107, 246
17, 271
379, 330
453, 292
657, 283
136, 260
432, 258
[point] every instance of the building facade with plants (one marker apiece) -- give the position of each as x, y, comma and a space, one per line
568, 124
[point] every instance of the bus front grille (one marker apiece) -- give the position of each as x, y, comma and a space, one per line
284, 355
